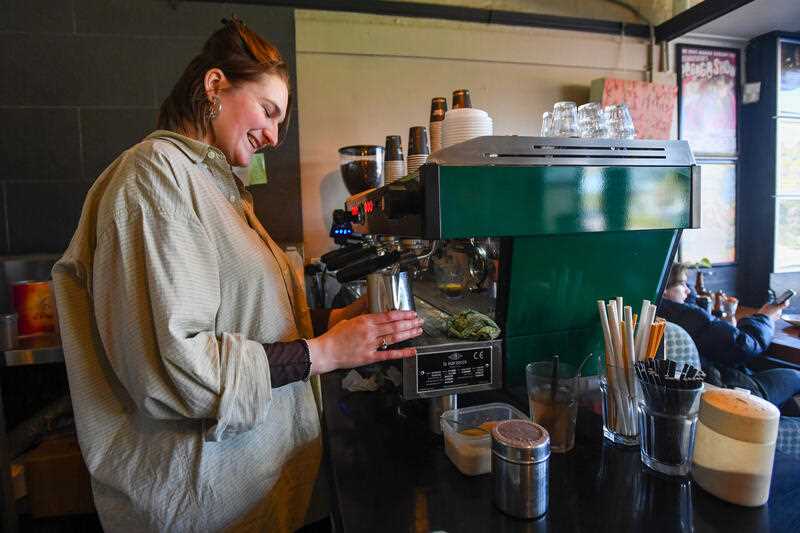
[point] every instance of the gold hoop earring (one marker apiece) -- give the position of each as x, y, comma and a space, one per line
214, 107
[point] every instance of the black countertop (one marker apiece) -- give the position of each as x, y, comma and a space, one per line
389, 473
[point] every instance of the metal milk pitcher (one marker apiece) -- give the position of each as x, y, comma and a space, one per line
387, 291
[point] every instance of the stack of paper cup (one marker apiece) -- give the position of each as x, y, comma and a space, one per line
414, 162
461, 99
418, 150
394, 167
438, 109
464, 124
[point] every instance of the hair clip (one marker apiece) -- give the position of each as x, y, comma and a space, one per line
234, 20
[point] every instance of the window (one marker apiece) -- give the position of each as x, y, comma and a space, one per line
716, 238
708, 96
787, 188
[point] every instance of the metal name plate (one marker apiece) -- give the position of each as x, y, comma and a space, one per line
453, 368
448, 370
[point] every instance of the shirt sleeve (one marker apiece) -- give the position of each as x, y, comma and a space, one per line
725, 343
156, 293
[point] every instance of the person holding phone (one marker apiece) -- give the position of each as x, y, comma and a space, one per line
725, 349
785, 296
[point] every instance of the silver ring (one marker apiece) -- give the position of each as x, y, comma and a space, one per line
383, 345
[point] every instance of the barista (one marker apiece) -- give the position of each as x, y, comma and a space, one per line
187, 338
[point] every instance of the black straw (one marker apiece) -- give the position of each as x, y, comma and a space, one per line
554, 379
660, 380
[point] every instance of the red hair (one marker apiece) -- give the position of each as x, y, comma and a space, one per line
242, 55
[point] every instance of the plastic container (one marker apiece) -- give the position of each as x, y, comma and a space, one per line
468, 448
735, 446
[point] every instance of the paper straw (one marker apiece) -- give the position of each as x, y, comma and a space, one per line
611, 378
647, 325
640, 327
616, 337
601, 309
662, 324
618, 363
655, 338
631, 354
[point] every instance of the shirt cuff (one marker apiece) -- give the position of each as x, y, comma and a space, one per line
288, 362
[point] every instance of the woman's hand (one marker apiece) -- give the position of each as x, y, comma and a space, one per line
773, 311
356, 341
359, 307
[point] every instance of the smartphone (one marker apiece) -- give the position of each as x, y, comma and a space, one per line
785, 295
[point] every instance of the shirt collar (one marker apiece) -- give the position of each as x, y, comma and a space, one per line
197, 151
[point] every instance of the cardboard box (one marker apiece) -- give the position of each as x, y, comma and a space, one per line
56, 478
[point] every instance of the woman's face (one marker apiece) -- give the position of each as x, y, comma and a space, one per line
678, 293
250, 116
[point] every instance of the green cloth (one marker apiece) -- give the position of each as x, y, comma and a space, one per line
472, 325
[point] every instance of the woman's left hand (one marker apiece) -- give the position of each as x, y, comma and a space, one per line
359, 307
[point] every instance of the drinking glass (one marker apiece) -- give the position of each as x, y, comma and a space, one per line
619, 407
620, 123
547, 125
565, 119
592, 121
553, 402
667, 420
729, 306
450, 269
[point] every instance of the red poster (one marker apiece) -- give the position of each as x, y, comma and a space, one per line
651, 104
708, 88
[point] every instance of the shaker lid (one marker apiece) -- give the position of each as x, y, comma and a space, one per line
520, 441
739, 415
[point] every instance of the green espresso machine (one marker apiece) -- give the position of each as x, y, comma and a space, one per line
573, 221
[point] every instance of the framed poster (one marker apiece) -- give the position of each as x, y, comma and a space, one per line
708, 98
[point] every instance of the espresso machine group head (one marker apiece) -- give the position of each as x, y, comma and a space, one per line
403, 274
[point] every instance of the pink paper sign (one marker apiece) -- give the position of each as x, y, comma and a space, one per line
652, 105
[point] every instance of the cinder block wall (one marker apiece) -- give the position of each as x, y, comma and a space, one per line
82, 80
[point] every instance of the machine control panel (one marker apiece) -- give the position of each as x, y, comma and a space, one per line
396, 209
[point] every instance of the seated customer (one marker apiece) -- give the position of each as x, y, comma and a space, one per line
725, 349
